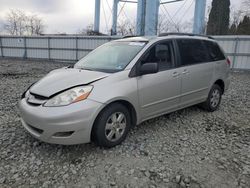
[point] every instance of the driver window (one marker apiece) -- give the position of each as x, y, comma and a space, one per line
161, 54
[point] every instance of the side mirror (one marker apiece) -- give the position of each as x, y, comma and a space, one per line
149, 68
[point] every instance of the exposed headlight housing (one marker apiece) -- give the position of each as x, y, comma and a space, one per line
70, 96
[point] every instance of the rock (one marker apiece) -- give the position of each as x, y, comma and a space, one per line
187, 180
2, 180
184, 138
65, 176
155, 152
147, 174
223, 147
166, 180
178, 178
91, 164
143, 169
33, 182
39, 162
131, 172
182, 184
118, 172
112, 183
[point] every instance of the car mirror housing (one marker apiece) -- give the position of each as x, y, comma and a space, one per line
148, 68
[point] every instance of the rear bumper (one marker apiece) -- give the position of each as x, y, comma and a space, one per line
65, 125
227, 83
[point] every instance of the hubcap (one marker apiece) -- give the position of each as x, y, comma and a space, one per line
115, 126
215, 98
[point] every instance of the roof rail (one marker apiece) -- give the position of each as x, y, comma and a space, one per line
184, 34
129, 36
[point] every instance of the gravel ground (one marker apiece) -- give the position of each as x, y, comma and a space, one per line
188, 148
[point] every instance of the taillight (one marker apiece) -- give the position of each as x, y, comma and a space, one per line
228, 62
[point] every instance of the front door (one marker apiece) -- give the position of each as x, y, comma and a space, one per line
159, 93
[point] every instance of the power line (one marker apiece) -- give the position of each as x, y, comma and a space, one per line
111, 10
124, 13
168, 13
121, 9
186, 11
105, 17
183, 4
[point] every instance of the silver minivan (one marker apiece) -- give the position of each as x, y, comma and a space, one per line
123, 83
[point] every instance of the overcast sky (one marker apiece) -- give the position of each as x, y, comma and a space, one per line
71, 15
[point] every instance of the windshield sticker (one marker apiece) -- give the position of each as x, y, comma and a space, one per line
119, 67
137, 43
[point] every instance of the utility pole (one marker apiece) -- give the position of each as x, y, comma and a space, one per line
199, 17
97, 16
114, 17
140, 20
151, 17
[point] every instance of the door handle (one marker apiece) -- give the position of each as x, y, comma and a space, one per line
175, 74
185, 71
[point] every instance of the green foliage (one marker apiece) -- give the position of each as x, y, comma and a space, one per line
244, 26
218, 23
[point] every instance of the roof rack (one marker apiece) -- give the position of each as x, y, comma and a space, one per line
184, 34
129, 36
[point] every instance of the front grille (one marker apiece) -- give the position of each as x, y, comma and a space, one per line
36, 100
39, 97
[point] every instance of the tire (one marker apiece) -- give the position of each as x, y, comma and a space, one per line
111, 126
214, 98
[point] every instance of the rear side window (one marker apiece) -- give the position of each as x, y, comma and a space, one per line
214, 50
192, 51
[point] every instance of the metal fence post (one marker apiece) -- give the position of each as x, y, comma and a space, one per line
76, 48
25, 48
49, 48
1, 45
235, 51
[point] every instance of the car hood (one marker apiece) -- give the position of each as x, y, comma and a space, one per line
61, 79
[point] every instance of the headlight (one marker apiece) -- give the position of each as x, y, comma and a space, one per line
70, 96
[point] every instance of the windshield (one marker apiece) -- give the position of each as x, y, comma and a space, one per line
110, 57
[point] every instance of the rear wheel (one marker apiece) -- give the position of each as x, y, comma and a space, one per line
214, 98
112, 125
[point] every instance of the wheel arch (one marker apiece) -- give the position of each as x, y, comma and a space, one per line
127, 104
220, 83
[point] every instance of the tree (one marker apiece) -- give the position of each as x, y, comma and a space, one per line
15, 22
218, 23
235, 18
19, 23
246, 7
244, 26
89, 31
34, 25
167, 26
125, 27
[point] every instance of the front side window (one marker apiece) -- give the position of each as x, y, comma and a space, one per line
192, 51
111, 57
160, 53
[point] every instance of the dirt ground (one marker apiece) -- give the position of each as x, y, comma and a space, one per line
187, 148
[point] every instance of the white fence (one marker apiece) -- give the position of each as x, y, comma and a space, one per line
238, 50
64, 48
72, 48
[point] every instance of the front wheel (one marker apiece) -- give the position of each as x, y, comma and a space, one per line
112, 125
214, 98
